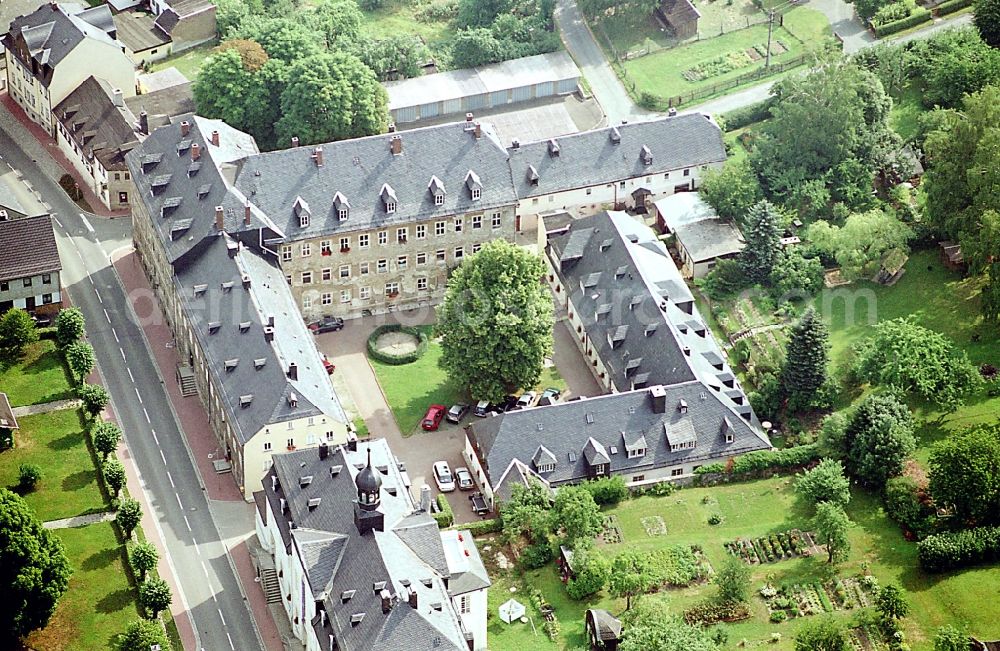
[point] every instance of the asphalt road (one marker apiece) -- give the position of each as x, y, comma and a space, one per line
209, 587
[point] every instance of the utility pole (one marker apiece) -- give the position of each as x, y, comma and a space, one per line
770, 29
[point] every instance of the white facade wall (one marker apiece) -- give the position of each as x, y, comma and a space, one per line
29, 93
476, 469
474, 620
42, 293
304, 432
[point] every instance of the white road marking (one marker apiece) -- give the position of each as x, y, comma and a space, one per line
205, 570
221, 617
175, 494
118, 341
138, 395
99, 299
158, 443
122, 351
128, 369
86, 223
108, 317
170, 478
165, 463
146, 414
187, 523
59, 223
231, 645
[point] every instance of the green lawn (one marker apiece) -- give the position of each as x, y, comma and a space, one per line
661, 73
38, 376
906, 111
399, 17
56, 442
751, 509
188, 62
100, 601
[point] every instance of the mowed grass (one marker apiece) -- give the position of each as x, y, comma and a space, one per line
751, 509
661, 73
188, 62
100, 601
400, 17
37, 376
56, 443
906, 111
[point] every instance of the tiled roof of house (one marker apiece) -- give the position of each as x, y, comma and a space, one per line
608, 422
698, 228
98, 127
28, 247
615, 153
7, 419
347, 570
137, 30
163, 104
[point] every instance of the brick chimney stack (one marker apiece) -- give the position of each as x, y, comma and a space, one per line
317, 156
215, 138
246, 214
295, 141
396, 145
195, 151
219, 218
185, 128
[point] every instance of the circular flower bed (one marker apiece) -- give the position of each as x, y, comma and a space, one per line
406, 354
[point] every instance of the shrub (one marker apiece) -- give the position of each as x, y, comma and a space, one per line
951, 6
777, 459
445, 517
392, 358
675, 565
607, 491
536, 555
919, 15
69, 185
114, 476
28, 475
70, 325
747, 115
904, 504
483, 527
128, 517
710, 469
662, 489
592, 572
95, 398
710, 612
714, 519
778, 616
945, 551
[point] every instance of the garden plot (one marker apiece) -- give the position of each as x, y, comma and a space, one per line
654, 525
775, 547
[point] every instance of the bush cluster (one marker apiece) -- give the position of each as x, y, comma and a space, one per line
392, 358
483, 527
710, 612
763, 460
445, 517
536, 555
747, 115
945, 551
919, 15
951, 6
607, 491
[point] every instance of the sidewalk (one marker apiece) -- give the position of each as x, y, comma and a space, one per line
42, 143
80, 520
46, 407
197, 432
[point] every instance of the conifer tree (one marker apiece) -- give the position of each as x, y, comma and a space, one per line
763, 242
805, 360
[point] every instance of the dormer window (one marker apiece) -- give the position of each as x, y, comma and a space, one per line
532, 175
436, 188
476, 194
474, 184
636, 453
389, 200
546, 467
341, 206
682, 406
301, 210
390, 207
439, 200
646, 155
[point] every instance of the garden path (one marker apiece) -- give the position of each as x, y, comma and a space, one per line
80, 520
46, 407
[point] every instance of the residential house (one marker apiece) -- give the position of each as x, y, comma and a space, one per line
95, 130
625, 166
657, 433
374, 224
357, 564
53, 50
249, 356
702, 237
156, 108
8, 423
29, 265
155, 29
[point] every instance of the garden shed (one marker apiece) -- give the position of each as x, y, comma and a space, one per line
463, 91
603, 630
679, 15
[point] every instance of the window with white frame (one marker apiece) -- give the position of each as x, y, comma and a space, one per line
421, 283
329, 436
687, 172
307, 302
476, 194
401, 234
345, 244
303, 219
286, 253
458, 224
342, 214
465, 604
401, 262
421, 259
439, 228
363, 268
477, 221
345, 271
307, 277
421, 231
291, 441
495, 220
306, 250
440, 255
364, 293
459, 252
326, 299
327, 275
267, 446
363, 241
345, 296
390, 207
439, 199
676, 472
383, 237
391, 289
382, 266
636, 453
288, 278
476, 247
325, 247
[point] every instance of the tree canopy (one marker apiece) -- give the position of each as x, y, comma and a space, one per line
732, 191
965, 473
825, 483
863, 242
34, 571
631, 576
576, 515
821, 634
908, 357
831, 525
879, 438
70, 325
17, 330
527, 512
763, 242
141, 635
733, 581
987, 20
806, 359
496, 321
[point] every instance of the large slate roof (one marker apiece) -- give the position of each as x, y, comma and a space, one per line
610, 420
53, 30
28, 247
96, 125
359, 168
409, 551
594, 158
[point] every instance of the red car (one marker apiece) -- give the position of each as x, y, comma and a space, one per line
328, 365
432, 419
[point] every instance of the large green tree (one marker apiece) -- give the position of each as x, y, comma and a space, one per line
527, 512
825, 483
223, 86
576, 515
475, 47
288, 38
331, 96
80, 358
832, 525
952, 64
496, 321
34, 571
965, 473
763, 242
631, 576
987, 20
910, 358
732, 191
154, 596
129, 516
879, 438
339, 21
733, 581
804, 373
94, 397
106, 436
863, 242
890, 602
141, 635
17, 330
70, 326
591, 570
821, 634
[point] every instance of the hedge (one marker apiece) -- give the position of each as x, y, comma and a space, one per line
392, 358
946, 551
445, 517
747, 115
607, 491
482, 527
951, 6
919, 15
48, 332
762, 460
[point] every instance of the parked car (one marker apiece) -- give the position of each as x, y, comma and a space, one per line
508, 403
326, 324
41, 320
432, 419
328, 365
550, 395
464, 479
457, 412
443, 477
483, 408
527, 399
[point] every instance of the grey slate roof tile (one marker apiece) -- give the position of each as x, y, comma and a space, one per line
29, 247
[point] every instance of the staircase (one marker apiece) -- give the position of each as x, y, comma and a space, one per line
185, 380
269, 583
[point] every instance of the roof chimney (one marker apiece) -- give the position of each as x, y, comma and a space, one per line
515, 144
317, 156
396, 145
246, 213
270, 320
659, 397
185, 128
268, 334
411, 598
144, 122
392, 127
425, 498
386, 601
468, 117
295, 141
352, 442
195, 151
219, 215
477, 131
293, 371
118, 97
324, 450
215, 138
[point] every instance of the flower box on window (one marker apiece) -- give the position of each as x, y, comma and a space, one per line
345, 249
326, 252
392, 294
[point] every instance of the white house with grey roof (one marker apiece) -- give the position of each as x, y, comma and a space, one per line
701, 237
249, 355
646, 435
358, 564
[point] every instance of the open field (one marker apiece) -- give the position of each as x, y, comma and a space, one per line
38, 376
188, 62
398, 17
755, 508
100, 601
56, 443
